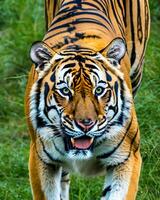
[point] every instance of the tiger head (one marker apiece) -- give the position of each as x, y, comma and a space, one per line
80, 98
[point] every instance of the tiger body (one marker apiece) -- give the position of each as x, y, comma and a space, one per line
79, 98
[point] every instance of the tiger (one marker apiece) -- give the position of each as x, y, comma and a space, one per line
79, 100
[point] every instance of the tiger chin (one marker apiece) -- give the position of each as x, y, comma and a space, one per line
80, 111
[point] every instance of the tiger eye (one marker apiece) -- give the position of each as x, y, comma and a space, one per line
65, 90
99, 90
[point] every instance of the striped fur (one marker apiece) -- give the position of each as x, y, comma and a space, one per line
79, 97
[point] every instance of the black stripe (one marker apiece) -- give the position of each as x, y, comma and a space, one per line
65, 181
136, 82
66, 118
85, 3
64, 127
79, 3
46, 16
40, 122
68, 71
133, 53
125, 19
64, 4
64, 173
72, 50
107, 189
90, 66
133, 139
54, 9
70, 65
139, 23
104, 119
80, 59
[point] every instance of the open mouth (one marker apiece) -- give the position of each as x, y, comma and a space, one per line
81, 143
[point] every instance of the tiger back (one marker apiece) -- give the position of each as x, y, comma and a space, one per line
129, 20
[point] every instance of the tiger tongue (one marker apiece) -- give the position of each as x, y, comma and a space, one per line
82, 143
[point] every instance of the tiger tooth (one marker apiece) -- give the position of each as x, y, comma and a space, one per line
73, 142
91, 140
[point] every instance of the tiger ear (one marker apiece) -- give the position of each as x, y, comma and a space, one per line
116, 49
40, 53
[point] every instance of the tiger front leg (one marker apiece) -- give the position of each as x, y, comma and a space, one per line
51, 182
55, 183
121, 182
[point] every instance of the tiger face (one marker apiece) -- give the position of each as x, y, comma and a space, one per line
80, 98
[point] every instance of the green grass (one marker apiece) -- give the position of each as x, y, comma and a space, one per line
22, 22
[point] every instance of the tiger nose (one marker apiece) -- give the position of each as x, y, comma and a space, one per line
85, 124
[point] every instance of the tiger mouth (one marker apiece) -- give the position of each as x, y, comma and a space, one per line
81, 143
